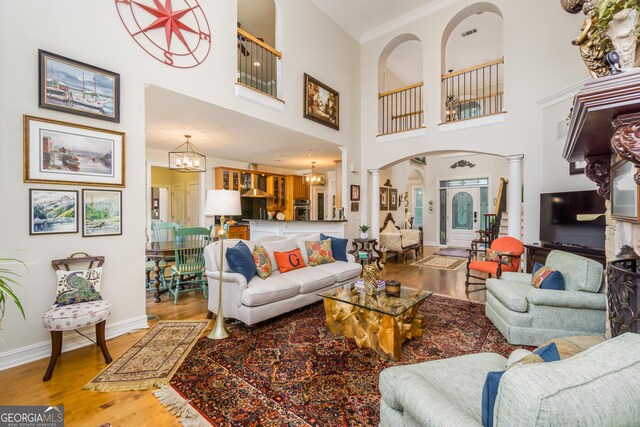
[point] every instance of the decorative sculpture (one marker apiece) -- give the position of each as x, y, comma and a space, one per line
623, 32
462, 163
592, 53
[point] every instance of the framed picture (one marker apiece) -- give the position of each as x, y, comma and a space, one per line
393, 199
53, 211
102, 213
355, 193
63, 153
577, 168
78, 88
384, 198
355, 206
624, 192
321, 103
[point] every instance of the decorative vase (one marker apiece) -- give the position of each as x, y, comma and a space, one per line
370, 275
364, 235
622, 31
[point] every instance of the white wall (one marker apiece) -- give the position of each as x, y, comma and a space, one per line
98, 37
539, 61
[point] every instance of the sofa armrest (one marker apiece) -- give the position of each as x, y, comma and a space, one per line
391, 241
569, 299
524, 278
351, 258
227, 277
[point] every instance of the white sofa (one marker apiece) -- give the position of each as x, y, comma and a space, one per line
280, 293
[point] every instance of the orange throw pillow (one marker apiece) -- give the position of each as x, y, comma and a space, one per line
288, 261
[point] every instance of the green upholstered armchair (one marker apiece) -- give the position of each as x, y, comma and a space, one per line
527, 315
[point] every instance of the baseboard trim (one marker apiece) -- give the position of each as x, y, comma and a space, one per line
70, 341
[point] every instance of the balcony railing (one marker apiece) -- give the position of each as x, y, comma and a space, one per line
474, 92
257, 64
401, 109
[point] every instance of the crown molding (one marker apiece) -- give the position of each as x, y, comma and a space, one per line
562, 95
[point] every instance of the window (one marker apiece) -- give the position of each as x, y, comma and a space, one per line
417, 207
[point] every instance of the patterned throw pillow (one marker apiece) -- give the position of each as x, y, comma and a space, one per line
288, 261
547, 278
78, 286
494, 256
263, 264
319, 252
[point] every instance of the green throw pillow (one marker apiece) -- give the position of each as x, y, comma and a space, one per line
78, 286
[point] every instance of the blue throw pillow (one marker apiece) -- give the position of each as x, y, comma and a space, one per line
338, 247
544, 277
548, 353
241, 260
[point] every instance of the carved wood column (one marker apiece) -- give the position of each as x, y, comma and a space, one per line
626, 140
598, 171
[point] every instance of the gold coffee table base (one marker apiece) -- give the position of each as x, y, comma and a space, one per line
380, 332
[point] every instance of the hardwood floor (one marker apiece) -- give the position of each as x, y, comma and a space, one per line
24, 386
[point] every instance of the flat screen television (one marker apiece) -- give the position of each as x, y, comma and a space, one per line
573, 218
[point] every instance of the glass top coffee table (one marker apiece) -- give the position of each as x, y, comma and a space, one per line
379, 322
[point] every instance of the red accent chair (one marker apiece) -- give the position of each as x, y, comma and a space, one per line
501, 244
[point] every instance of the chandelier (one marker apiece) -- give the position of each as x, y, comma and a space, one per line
451, 106
186, 159
313, 178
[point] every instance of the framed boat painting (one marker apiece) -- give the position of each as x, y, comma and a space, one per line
102, 213
53, 211
64, 153
321, 103
78, 88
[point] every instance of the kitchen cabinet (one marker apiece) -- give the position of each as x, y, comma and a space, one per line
238, 231
300, 188
277, 185
227, 179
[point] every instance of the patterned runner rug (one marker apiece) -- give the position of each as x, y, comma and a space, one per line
441, 262
291, 371
153, 360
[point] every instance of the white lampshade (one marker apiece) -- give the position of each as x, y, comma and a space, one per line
222, 202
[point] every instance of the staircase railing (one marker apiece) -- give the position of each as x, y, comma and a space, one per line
401, 109
492, 221
257, 64
474, 92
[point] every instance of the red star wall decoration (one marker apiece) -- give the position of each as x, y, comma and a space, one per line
175, 33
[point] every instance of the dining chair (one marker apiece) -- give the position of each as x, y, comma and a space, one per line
188, 270
162, 232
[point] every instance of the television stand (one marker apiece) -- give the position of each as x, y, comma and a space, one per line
539, 253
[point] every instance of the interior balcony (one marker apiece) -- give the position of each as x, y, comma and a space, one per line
400, 110
258, 65
473, 92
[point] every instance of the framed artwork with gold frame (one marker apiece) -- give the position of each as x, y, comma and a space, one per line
321, 103
65, 153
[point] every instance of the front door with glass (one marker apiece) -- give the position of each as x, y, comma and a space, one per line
462, 216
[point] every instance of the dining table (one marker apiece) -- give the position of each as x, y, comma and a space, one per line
156, 252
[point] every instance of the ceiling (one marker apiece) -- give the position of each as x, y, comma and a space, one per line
406, 62
226, 134
479, 48
359, 17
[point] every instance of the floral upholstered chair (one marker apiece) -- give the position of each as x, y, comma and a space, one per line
399, 241
503, 255
78, 304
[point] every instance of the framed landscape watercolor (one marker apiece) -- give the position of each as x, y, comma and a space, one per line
78, 88
102, 213
53, 211
321, 103
63, 153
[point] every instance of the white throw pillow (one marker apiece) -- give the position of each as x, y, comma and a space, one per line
278, 246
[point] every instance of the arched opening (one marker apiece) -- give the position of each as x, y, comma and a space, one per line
400, 104
453, 195
473, 64
258, 58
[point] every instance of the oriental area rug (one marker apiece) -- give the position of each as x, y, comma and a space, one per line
291, 371
441, 262
153, 360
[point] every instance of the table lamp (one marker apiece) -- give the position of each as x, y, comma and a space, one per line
221, 202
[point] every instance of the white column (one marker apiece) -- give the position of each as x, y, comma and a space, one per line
344, 183
514, 197
374, 232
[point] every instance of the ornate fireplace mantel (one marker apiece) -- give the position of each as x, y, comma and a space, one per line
605, 119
